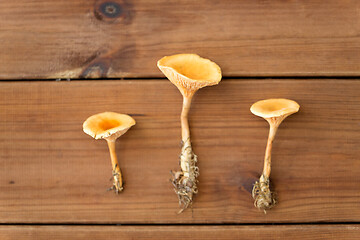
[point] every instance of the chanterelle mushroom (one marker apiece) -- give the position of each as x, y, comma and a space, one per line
110, 126
188, 72
274, 111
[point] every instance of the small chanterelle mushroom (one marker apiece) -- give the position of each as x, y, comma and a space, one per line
110, 126
189, 73
274, 111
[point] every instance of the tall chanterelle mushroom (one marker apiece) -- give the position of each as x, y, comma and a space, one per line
188, 72
110, 126
274, 111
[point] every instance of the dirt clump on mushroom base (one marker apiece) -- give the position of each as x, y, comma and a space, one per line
185, 181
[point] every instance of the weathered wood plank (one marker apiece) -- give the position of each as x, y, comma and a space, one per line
303, 232
50, 171
73, 39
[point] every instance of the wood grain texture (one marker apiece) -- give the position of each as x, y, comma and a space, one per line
52, 172
74, 39
303, 232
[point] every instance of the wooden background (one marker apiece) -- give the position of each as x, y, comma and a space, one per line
62, 61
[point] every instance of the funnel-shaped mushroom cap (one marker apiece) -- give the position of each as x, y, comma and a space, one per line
190, 72
274, 108
108, 125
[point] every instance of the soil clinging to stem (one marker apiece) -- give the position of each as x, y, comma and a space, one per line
264, 198
185, 181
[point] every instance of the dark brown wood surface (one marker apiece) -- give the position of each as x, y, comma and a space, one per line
75, 39
303, 232
52, 172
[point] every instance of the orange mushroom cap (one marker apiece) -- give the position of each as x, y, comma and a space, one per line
274, 108
108, 125
190, 72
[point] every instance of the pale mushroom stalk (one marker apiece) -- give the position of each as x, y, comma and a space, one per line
185, 130
264, 198
185, 182
117, 176
110, 126
274, 125
274, 111
188, 72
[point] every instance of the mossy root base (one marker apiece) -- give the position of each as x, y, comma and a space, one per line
117, 185
185, 181
264, 198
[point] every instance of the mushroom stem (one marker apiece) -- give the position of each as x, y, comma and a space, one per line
185, 180
185, 131
118, 184
274, 125
264, 198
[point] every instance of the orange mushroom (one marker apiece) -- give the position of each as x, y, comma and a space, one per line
188, 72
274, 111
110, 126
